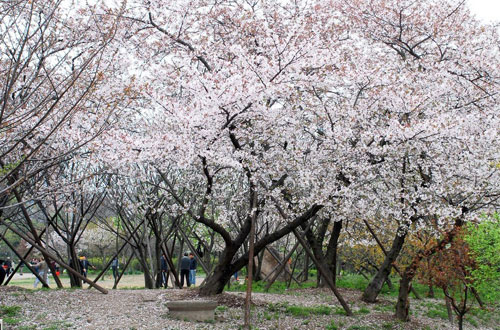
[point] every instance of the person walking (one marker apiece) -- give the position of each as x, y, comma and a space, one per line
85, 264
192, 269
43, 272
185, 264
114, 267
164, 270
2, 272
8, 263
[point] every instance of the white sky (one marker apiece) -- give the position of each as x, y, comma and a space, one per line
486, 10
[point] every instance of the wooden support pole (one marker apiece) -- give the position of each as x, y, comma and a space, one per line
40, 278
323, 272
21, 258
282, 266
51, 256
117, 253
123, 271
193, 250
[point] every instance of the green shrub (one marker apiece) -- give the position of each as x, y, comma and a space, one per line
484, 243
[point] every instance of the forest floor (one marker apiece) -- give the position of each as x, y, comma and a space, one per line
309, 308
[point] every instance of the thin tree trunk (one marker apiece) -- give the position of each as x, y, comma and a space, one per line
306, 267
403, 303
449, 309
248, 298
373, 289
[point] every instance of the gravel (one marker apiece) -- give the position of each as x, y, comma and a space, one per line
145, 309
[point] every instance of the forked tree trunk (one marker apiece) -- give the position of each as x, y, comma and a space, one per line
373, 289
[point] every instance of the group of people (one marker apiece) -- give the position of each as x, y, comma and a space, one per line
188, 266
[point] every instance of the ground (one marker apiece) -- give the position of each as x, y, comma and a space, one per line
312, 308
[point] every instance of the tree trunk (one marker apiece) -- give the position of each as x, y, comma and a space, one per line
331, 252
403, 303
75, 264
460, 322
217, 280
449, 309
157, 262
430, 293
306, 267
373, 289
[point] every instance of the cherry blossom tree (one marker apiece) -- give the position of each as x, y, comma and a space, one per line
380, 109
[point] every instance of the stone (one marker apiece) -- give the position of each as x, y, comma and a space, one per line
192, 310
270, 262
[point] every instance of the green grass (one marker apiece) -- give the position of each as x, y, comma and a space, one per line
437, 313
358, 282
384, 308
11, 320
359, 327
9, 311
388, 325
295, 310
363, 310
352, 281
339, 311
304, 311
333, 325
277, 287
220, 309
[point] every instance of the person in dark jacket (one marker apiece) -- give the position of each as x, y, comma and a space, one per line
164, 270
8, 263
185, 264
192, 269
84, 266
114, 267
2, 272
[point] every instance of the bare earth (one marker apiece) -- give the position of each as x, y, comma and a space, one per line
145, 309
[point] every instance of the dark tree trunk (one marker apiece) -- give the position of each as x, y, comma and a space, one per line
373, 289
403, 303
306, 268
328, 259
216, 282
74, 263
157, 257
430, 293
222, 273
331, 252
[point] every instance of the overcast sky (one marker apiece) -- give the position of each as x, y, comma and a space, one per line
487, 10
